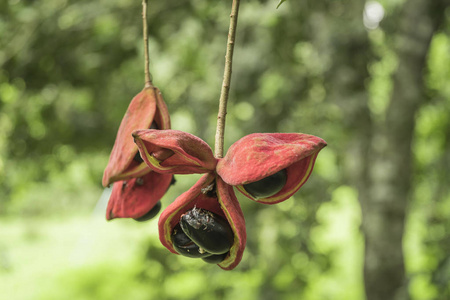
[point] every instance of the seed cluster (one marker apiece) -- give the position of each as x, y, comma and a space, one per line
203, 234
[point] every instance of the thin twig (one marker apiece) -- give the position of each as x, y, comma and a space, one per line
218, 149
148, 76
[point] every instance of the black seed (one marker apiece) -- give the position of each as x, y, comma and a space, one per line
151, 214
173, 180
179, 238
154, 125
215, 258
184, 245
138, 158
208, 230
268, 186
212, 194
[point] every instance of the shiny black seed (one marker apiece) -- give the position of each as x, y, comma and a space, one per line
208, 230
184, 245
268, 186
151, 214
179, 238
215, 258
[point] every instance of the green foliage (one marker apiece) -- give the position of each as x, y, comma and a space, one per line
68, 72
429, 246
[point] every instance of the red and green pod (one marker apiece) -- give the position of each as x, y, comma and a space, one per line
222, 202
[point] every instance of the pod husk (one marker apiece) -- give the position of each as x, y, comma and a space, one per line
174, 151
137, 196
144, 108
259, 155
224, 203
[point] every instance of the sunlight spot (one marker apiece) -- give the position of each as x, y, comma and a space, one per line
373, 14
244, 111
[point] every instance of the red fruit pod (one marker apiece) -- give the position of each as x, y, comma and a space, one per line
146, 107
221, 201
136, 197
162, 117
174, 152
259, 155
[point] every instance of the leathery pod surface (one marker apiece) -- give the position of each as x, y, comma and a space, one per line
261, 155
145, 109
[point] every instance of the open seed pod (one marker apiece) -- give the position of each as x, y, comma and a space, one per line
136, 197
175, 152
145, 109
277, 163
212, 194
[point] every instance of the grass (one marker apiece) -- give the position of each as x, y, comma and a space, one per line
35, 253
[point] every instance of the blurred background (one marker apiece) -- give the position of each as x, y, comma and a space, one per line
371, 78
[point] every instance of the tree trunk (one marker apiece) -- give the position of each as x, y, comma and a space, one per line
385, 194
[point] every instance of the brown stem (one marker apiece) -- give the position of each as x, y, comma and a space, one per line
148, 76
218, 149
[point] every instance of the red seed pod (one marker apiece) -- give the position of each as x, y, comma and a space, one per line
136, 197
260, 155
146, 108
174, 152
223, 203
